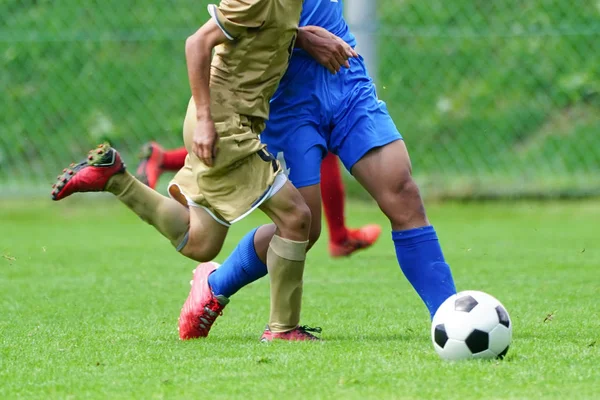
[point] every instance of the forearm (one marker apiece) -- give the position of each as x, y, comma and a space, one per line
304, 37
325, 47
198, 53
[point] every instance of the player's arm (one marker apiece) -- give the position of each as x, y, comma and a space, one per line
198, 54
328, 49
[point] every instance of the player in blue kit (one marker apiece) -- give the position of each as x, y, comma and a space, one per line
315, 111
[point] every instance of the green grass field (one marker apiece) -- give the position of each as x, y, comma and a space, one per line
90, 298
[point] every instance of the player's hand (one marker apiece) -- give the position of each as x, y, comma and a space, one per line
328, 49
205, 141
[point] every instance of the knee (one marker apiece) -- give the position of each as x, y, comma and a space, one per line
201, 250
401, 202
404, 187
296, 222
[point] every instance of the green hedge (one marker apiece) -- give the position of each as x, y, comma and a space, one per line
493, 97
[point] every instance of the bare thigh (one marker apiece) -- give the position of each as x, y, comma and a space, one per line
288, 210
386, 173
206, 236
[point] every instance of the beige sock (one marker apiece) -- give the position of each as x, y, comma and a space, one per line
168, 216
285, 263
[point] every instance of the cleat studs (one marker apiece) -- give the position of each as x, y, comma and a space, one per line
90, 157
64, 170
71, 165
71, 172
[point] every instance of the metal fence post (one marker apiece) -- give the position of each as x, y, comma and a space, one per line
361, 16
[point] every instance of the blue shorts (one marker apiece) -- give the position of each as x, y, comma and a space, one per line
314, 112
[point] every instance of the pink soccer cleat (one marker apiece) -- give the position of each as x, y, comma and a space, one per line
202, 307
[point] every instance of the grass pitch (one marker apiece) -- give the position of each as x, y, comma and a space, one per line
90, 295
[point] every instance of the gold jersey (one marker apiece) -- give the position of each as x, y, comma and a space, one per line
246, 70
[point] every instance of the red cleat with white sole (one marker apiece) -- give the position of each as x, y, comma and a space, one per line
90, 175
149, 169
358, 239
301, 333
202, 307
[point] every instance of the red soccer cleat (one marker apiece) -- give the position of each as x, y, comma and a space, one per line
90, 175
301, 333
358, 239
149, 169
202, 307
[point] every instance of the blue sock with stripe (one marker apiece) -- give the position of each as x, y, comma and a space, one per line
422, 262
241, 268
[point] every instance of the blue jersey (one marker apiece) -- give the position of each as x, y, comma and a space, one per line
314, 111
327, 14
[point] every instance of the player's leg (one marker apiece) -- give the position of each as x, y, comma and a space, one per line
369, 145
279, 251
285, 249
342, 240
285, 262
154, 160
417, 246
174, 159
202, 306
104, 170
394, 185
194, 232
332, 190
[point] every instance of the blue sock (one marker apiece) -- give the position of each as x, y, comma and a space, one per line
420, 257
241, 268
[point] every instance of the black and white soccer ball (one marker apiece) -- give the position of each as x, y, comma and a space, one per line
471, 324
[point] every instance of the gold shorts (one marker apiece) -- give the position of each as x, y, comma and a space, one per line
244, 173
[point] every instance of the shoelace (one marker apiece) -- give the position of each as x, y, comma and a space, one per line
210, 315
306, 329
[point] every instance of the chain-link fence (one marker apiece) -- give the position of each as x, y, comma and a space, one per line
493, 97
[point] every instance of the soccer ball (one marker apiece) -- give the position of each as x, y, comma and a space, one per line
471, 324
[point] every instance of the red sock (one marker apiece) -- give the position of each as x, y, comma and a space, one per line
173, 160
332, 192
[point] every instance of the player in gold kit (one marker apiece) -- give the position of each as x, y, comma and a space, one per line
228, 173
